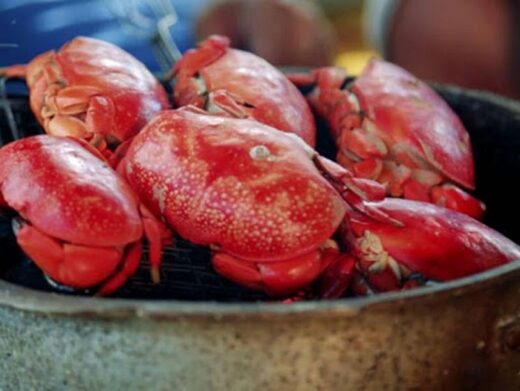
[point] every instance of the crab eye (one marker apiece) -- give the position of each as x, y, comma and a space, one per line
260, 152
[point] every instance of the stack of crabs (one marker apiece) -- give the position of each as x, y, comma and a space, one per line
233, 167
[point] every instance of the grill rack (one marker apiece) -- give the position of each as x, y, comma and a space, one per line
186, 272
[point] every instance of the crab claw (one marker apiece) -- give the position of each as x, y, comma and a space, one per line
80, 266
438, 243
276, 278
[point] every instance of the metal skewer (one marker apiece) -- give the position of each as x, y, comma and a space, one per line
151, 20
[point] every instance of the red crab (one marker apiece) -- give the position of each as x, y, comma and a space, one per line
217, 78
264, 201
393, 128
93, 90
79, 221
433, 242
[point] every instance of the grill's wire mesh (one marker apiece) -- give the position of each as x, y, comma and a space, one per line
186, 273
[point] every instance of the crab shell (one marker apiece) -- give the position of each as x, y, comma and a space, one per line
438, 243
82, 224
408, 111
233, 183
92, 90
216, 77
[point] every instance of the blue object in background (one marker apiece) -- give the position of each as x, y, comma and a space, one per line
31, 27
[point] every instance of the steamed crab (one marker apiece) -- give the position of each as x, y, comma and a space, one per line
259, 197
78, 220
218, 78
92, 90
391, 127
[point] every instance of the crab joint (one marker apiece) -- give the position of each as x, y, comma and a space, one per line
373, 251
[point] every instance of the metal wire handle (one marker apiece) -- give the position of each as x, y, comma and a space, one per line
152, 20
4, 103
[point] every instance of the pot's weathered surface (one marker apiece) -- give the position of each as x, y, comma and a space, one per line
434, 338
460, 335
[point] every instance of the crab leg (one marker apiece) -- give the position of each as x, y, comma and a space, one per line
337, 278
207, 53
127, 269
17, 71
222, 100
155, 232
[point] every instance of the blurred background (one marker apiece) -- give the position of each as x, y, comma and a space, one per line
474, 44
